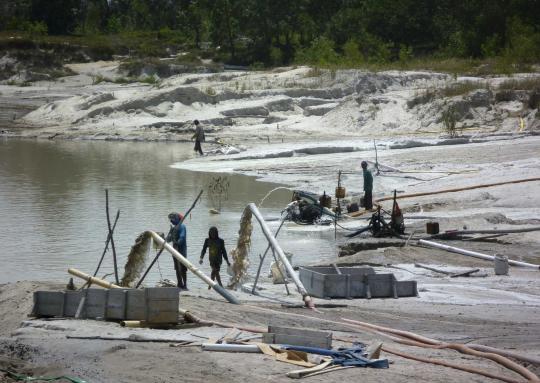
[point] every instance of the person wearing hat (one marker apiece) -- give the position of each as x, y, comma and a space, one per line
368, 186
198, 136
178, 237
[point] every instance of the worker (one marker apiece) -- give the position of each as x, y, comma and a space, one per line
368, 186
198, 136
216, 252
178, 237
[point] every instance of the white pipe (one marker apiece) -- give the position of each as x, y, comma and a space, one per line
275, 245
231, 347
475, 254
180, 258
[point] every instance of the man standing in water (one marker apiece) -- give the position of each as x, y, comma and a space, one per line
368, 186
198, 136
178, 237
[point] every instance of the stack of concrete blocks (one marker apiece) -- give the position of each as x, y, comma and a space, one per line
298, 337
156, 305
354, 282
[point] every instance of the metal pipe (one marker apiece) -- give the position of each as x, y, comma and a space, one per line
275, 245
93, 280
475, 254
180, 258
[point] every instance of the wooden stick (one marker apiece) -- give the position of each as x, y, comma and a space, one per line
465, 273
111, 235
459, 189
432, 269
163, 247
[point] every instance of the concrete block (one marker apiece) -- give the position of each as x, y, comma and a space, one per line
96, 303
48, 304
116, 304
353, 282
71, 302
298, 337
162, 304
135, 305
154, 305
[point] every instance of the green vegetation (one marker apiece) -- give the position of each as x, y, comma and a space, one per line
475, 36
532, 83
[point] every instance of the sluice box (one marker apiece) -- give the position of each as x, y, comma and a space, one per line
353, 282
153, 305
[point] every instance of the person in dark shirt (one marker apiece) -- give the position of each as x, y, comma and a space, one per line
217, 253
368, 186
199, 137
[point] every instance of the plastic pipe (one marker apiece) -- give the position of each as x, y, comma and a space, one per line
180, 258
275, 245
231, 347
475, 254
93, 280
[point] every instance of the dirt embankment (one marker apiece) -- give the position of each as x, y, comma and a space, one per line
43, 348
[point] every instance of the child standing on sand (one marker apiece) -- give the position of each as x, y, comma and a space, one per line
216, 252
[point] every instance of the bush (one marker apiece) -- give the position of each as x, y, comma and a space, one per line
321, 52
38, 28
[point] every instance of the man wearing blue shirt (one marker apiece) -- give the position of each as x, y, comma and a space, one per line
178, 237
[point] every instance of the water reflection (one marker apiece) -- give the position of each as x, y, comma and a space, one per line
52, 205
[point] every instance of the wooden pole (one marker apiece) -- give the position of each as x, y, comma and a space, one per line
162, 247
111, 235
458, 189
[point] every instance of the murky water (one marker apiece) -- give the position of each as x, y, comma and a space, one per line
52, 207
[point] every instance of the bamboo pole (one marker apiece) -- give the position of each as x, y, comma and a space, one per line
93, 280
275, 245
180, 258
475, 254
459, 189
132, 323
